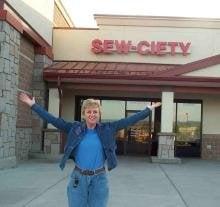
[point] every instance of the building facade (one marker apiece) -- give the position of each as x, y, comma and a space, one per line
127, 62
26, 49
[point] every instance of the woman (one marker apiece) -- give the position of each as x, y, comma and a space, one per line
90, 144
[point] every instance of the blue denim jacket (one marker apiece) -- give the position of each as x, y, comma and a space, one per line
76, 130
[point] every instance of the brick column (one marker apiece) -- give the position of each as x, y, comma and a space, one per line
9, 64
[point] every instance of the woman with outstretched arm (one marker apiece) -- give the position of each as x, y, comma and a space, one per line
91, 145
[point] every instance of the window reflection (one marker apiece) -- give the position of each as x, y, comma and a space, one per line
188, 125
137, 105
134, 138
112, 110
142, 137
140, 132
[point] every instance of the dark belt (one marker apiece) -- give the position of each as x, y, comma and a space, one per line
90, 172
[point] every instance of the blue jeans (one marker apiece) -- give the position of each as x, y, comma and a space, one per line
87, 191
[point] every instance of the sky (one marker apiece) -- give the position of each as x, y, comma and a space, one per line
81, 11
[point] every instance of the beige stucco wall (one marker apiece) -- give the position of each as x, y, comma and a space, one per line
211, 115
38, 13
76, 44
68, 104
167, 112
213, 71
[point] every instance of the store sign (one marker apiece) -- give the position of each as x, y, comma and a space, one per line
143, 47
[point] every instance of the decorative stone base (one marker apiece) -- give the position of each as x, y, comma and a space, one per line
42, 155
166, 145
52, 141
8, 162
211, 146
165, 152
175, 160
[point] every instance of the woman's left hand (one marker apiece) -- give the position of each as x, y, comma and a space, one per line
154, 105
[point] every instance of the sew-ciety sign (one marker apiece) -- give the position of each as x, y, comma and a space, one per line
143, 47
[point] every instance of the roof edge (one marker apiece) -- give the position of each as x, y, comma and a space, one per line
192, 66
156, 21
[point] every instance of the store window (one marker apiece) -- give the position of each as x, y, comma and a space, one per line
113, 110
135, 138
188, 128
139, 132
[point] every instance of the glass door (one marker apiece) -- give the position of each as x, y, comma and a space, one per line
133, 140
138, 136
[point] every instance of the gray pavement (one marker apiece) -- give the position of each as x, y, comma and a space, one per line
136, 182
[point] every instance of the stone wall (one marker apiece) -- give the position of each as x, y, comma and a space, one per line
52, 141
9, 64
211, 146
20, 70
24, 119
23, 144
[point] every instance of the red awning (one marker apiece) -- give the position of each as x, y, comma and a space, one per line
113, 74
105, 70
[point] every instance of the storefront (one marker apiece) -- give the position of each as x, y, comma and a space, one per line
126, 63
131, 61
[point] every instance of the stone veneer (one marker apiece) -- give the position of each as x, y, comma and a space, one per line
52, 141
24, 125
23, 145
40, 93
165, 152
166, 145
20, 68
211, 146
9, 64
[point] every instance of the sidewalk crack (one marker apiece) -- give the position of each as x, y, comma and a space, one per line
44, 191
174, 186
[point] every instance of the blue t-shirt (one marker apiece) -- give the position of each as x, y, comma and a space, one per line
89, 153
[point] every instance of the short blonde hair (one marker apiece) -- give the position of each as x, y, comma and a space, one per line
90, 103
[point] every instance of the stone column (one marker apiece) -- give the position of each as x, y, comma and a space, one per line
166, 137
9, 64
24, 125
40, 93
52, 138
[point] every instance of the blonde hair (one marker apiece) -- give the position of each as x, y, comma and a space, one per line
90, 103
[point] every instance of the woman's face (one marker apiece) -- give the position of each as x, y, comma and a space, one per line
92, 116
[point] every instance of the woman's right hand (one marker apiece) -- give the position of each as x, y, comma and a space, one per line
26, 99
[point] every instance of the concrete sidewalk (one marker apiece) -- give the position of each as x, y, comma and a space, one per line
135, 182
